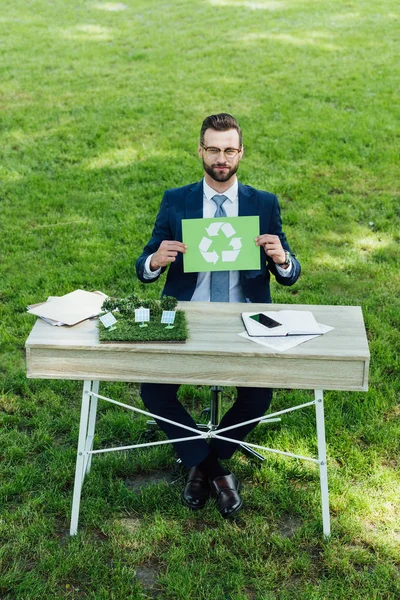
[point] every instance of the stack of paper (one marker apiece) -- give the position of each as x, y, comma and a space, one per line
69, 309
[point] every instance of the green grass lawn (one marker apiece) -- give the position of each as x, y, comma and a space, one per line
100, 109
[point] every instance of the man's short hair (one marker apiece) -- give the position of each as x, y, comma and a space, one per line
220, 122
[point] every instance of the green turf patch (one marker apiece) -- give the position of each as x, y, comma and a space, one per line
126, 330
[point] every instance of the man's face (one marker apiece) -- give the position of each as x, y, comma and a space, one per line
220, 167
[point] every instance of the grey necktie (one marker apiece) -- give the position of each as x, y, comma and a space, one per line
219, 290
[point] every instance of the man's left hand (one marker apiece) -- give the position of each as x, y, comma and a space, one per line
272, 247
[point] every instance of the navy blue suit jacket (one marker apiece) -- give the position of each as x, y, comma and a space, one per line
187, 203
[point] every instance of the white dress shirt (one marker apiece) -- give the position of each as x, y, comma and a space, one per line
231, 207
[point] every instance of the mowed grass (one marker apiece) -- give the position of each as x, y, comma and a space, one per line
100, 107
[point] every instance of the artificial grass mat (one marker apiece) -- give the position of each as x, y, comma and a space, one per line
126, 330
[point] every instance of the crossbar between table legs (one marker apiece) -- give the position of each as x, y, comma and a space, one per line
199, 434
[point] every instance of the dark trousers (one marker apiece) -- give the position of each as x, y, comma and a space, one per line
161, 399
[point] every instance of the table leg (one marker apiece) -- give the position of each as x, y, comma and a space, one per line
80, 457
323, 467
91, 424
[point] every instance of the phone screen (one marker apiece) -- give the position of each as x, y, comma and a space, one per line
266, 321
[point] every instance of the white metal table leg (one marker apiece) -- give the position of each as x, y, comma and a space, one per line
323, 467
80, 457
91, 424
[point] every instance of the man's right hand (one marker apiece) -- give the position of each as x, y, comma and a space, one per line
166, 253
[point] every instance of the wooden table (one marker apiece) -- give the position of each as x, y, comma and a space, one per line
214, 355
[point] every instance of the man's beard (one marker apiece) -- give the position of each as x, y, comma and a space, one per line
217, 175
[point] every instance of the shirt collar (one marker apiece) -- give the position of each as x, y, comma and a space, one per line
231, 193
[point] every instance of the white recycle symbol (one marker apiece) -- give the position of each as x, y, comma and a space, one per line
227, 255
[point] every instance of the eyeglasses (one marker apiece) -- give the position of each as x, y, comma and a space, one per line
215, 152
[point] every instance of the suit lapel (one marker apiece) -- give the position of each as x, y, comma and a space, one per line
194, 201
248, 205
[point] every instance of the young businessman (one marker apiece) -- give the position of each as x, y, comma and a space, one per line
218, 194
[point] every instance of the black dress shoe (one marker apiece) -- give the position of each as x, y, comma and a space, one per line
226, 490
197, 489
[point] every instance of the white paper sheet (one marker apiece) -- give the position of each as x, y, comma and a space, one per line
285, 342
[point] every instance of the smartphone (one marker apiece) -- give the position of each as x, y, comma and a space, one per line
264, 320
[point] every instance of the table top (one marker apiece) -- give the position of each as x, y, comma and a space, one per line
214, 354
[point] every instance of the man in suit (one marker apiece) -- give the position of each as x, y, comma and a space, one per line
218, 194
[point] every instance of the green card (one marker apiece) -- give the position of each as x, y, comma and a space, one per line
221, 244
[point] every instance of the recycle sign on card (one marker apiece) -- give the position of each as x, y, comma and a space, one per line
221, 244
